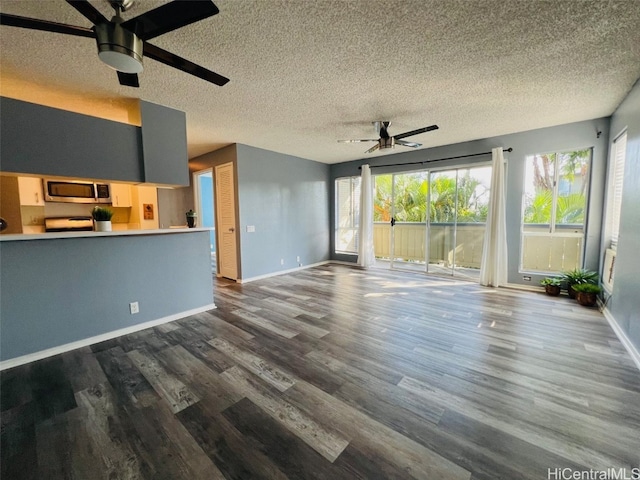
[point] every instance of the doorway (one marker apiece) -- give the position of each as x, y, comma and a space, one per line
205, 206
432, 221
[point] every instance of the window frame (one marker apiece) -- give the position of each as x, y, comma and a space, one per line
354, 213
553, 223
615, 189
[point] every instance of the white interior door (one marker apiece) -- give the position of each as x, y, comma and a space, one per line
226, 215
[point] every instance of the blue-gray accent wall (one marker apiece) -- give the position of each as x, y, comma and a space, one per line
164, 145
40, 140
59, 291
563, 137
286, 199
624, 304
48, 141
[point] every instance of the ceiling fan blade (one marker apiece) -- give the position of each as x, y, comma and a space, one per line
359, 141
415, 132
88, 10
172, 60
128, 79
170, 16
45, 25
374, 148
408, 144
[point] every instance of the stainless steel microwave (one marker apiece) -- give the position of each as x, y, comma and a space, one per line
76, 191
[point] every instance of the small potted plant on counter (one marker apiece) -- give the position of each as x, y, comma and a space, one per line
587, 293
101, 219
191, 218
577, 277
552, 285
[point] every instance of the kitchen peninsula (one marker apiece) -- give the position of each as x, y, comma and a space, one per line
65, 290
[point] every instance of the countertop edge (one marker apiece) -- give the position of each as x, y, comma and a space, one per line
13, 237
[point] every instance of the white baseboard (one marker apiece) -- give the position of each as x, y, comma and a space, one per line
526, 288
49, 352
630, 347
282, 272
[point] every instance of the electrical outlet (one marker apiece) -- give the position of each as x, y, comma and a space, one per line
134, 307
298, 259
282, 261
526, 278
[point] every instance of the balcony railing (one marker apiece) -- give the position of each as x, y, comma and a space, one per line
409, 242
559, 251
541, 251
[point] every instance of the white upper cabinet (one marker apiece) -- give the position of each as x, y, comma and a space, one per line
120, 195
30, 190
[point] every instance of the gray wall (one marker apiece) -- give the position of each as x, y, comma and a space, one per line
44, 141
564, 137
49, 141
60, 291
164, 145
624, 303
286, 199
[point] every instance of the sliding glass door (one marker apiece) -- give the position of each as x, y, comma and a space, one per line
432, 221
458, 207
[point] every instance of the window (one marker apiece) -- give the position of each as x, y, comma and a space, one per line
554, 210
347, 214
616, 178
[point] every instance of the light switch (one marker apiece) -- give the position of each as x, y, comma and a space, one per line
251, 228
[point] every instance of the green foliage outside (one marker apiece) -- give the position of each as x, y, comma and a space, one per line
412, 191
571, 199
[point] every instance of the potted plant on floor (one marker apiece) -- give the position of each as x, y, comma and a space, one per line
101, 219
578, 276
191, 218
587, 293
552, 285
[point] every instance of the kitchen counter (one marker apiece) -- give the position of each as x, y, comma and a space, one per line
115, 233
66, 290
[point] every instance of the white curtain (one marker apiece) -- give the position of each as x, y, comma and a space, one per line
493, 268
366, 257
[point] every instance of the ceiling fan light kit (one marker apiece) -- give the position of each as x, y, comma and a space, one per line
119, 48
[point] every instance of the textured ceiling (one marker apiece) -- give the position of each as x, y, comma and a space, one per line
306, 73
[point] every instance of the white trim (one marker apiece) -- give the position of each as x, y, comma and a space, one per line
32, 357
630, 347
282, 272
526, 288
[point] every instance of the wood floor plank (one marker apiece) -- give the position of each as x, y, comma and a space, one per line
96, 427
18, 449
293, 457
233, 453
263, 323
129, 385
206, 384
256, 365
176, 393
326, 442
372, 436
170, 446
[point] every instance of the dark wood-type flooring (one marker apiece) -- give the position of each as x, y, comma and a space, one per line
335, 373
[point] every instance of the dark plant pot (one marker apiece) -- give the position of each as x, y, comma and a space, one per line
191, 222
586, 299
571, 292
553, 290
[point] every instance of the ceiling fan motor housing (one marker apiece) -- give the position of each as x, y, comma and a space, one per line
389, 142
119, 48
